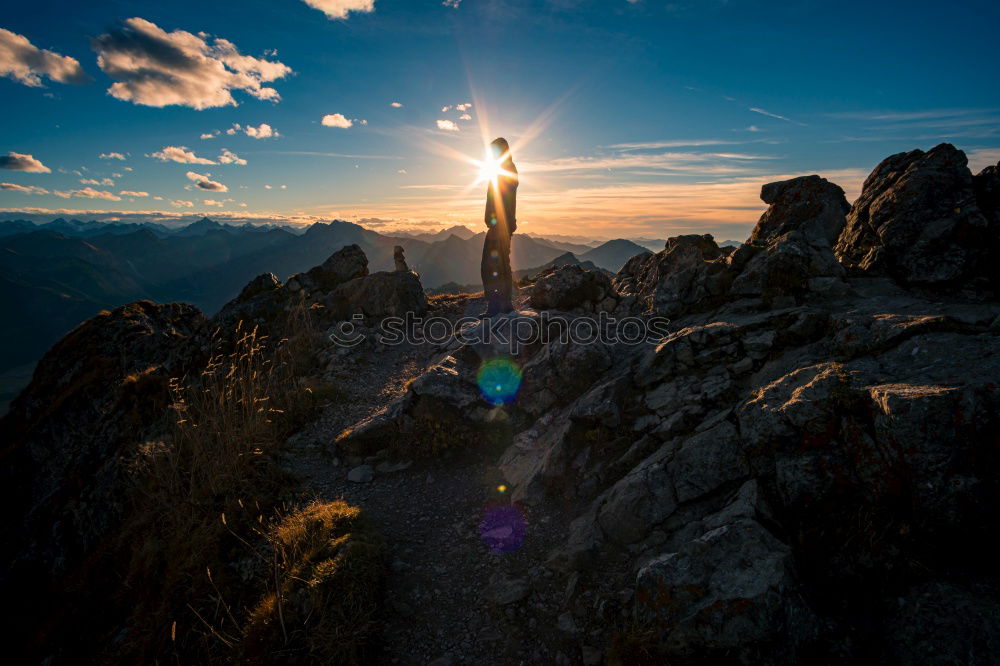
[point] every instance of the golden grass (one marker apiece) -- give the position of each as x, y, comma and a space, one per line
201, 562
327, 566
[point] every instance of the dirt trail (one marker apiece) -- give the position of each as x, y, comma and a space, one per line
449, 597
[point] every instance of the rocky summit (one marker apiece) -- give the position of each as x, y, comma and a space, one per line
795, 460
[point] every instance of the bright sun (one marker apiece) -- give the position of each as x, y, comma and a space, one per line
491, 168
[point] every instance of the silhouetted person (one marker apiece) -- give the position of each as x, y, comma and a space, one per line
501, 221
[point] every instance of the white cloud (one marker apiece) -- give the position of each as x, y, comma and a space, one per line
133, 193
89, 193
25, 63
107, 182
234, 129
26, 189
284, 187
401, 171
152, 67
22, 162
181, 204
263, 132
207, 135
339, 9
463, 107
180, 154
447, 125
396, 105
205, 182
337, 120
465, 116
227, 157
445, 109
214, 202
112, 156
267, 187
455, 3
754, 128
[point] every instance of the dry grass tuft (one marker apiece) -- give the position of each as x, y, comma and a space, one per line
199, 556
327, 566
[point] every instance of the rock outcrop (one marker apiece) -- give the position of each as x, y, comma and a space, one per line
689, 273
793, 241
918, 221
570, 286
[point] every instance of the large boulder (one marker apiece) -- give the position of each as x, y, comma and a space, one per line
570, 286
347, 263
792, 242
918, 222
382, 294
690, 273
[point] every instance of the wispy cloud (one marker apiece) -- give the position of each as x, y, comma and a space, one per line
24, 189
112, 156
769, 114
89, 193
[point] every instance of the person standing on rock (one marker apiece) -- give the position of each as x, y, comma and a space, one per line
501, 221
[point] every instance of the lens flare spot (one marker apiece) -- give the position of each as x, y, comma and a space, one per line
499, 380
503, 528
501, 488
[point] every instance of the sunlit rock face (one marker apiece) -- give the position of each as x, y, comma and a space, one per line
918, 221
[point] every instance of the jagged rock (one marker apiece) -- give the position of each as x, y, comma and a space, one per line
639, 501
707, 461
71, 434
347, 263
570, 286
792, 242
382, 294
690, 273
730, 592
918, 222
262, 283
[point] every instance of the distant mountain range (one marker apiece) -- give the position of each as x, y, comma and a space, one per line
57, 274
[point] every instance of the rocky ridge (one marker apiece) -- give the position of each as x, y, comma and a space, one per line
802, 468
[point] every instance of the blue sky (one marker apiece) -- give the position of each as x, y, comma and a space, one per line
643, 118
